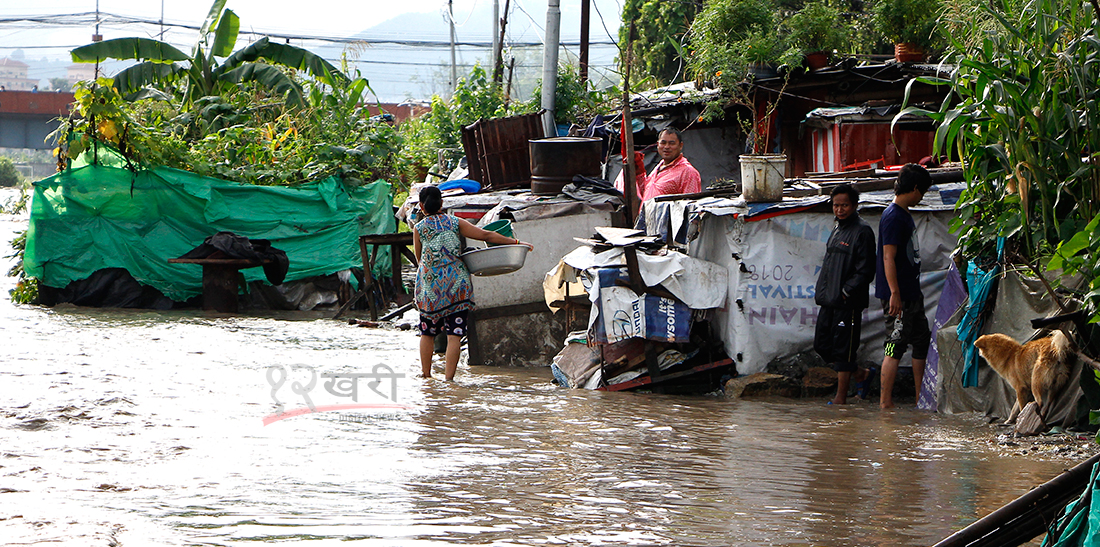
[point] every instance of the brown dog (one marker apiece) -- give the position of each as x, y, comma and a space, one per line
1036, 369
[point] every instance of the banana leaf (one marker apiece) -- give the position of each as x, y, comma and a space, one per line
268, 76
142, 49
225, 37
135, 78
286, 55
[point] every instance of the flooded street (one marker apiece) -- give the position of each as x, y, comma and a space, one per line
123, 427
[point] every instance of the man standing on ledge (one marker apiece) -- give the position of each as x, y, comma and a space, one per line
897, 281
673, 175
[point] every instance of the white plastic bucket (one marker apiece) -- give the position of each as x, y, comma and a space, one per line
762, 176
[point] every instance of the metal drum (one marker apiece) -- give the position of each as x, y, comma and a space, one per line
555, 161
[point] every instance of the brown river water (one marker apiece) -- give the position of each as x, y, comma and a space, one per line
121, 427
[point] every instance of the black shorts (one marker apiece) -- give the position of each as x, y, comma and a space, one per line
453, 324
908, 329
836, 337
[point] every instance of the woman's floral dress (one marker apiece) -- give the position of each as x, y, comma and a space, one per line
443, 283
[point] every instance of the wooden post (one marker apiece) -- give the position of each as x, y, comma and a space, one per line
219, 288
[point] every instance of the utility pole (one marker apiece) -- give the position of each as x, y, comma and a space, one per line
454, 64
498, 68
585, 9
550, 66
494, 58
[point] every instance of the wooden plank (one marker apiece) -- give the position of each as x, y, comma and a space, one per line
509, 311
853, 174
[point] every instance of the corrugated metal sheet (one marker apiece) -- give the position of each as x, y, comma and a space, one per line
851, 144
497, 150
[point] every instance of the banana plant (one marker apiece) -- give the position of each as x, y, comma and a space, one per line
165, 70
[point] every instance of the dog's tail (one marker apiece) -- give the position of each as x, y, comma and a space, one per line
1061, 345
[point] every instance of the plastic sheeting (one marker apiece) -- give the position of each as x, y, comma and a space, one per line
1019, 300
981, 282
101, 216
697, 283
619, 313
1079, 523
773, 265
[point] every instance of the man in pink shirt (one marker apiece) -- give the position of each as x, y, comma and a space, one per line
673, 175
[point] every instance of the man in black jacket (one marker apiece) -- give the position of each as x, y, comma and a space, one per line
842, 291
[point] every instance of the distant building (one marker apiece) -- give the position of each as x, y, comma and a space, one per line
13, 75
402, 111
80, 72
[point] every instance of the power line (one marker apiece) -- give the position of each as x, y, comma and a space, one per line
81, 19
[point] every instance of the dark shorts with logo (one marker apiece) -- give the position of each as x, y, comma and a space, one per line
836, 337
453, 324
908, 329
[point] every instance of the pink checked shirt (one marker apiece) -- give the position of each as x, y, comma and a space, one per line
678, 178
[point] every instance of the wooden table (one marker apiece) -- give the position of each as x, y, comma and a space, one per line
219, 280
399, 245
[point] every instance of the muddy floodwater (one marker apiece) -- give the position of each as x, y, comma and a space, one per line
136, 428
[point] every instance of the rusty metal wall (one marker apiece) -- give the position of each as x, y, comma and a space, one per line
497, 150
862, 142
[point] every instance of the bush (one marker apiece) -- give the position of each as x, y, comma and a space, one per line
9, 176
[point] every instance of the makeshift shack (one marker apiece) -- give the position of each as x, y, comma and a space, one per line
824, 120
104, 217
641, 331
772, 253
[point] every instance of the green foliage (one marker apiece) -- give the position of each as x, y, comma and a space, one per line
732, 36
967, 23
818, 26
26, 288
9, 176
730, 41
160, 75
1025, 120
475, 97
908, 21
660, 30
574, 103
246, 135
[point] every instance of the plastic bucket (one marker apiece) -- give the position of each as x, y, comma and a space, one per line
762, 177
502, 227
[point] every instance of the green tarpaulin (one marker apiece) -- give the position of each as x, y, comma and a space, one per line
1079, 524
100, 216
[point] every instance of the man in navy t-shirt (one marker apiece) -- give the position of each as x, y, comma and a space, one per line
897, 281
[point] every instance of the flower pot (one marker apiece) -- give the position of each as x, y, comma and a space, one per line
908, 53
762, 176
817, 60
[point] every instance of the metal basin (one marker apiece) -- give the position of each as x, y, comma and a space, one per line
500, 259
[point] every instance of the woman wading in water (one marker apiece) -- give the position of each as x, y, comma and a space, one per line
444, 293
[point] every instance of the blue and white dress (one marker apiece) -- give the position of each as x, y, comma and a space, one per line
443, 283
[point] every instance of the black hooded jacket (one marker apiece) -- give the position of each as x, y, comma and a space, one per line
849, 266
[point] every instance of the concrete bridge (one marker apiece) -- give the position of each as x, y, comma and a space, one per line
27, 117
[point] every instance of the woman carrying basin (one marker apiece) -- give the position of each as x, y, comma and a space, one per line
444, 293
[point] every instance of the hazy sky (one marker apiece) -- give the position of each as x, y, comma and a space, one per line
395, 71
340, 18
